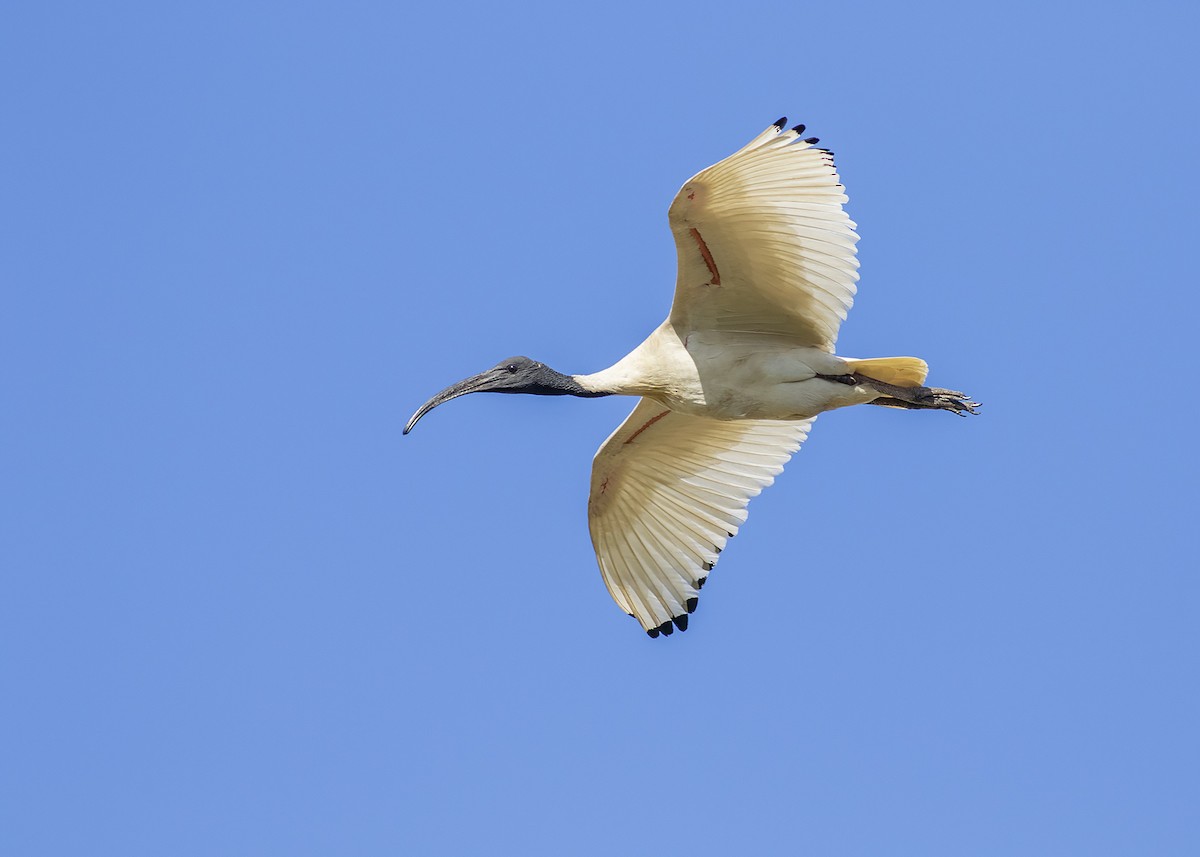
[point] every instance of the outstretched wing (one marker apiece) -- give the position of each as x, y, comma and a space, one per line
668, 490
764, 244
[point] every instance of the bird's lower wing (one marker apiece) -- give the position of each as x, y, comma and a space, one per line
764, 244
668, 490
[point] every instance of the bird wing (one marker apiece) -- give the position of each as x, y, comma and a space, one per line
668, 490
764, 244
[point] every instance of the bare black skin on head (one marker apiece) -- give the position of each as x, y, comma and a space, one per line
514, 375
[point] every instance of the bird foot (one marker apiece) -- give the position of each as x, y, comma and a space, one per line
946, 400
920, 398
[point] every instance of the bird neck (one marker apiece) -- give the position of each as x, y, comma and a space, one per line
552, 383
620, 379
578, 389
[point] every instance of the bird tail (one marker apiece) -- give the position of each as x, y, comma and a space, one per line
899, 371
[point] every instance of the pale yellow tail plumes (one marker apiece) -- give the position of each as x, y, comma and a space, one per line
899, 371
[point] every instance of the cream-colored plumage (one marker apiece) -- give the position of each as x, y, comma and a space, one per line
668, 490
731, 382
771, 218
765, 251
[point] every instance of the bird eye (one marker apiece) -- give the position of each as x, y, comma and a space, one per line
511, 367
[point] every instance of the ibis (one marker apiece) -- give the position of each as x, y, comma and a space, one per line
730, 384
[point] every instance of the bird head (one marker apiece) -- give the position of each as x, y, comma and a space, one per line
514, 375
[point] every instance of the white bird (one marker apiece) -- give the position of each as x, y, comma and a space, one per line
731, 382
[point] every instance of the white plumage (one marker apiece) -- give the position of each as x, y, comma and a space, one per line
732, 381
668, 490
771, 218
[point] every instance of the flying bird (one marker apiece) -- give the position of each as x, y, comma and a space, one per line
731, 382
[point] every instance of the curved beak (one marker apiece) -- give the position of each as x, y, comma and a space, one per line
474, 384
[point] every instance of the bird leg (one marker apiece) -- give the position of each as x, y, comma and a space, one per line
919, 398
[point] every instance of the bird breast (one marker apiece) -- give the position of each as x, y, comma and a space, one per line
757, 377
731, 376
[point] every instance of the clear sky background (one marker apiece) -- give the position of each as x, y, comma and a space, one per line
242, 615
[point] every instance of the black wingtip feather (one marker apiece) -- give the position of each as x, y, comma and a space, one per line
780, 122
652, 633
680, 621
691, 604
700, 583
812, 140
799, 129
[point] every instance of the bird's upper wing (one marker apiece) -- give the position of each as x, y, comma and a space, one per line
668, 490
764, 244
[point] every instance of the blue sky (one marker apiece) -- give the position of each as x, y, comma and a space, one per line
242, 615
